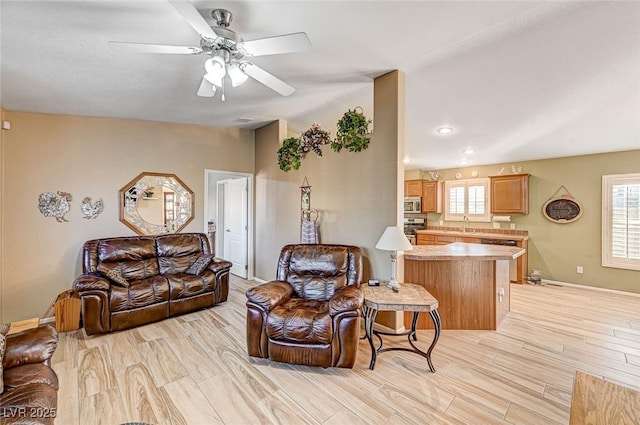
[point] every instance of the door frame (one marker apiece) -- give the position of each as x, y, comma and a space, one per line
250, 211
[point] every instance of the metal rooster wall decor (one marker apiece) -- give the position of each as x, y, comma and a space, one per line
55, 205
89, 210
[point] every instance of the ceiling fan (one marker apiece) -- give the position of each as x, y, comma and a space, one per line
227, 51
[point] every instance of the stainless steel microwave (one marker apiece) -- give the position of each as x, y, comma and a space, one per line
412, 204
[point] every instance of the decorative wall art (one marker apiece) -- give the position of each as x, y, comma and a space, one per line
563, 209
169, 211
308, 215
90, 210
55, 205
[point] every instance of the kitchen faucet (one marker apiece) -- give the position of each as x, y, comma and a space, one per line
465, 220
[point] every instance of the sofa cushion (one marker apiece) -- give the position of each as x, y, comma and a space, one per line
126, 249
301, 321
3, 341
200, 264
41, 398
37, 373
177, 252
316, 272
112, 272
135, 257
140, 293
183, 285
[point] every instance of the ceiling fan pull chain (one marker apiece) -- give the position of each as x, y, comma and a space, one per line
223, 98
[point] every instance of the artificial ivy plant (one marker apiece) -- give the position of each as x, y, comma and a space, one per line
289, 155
353, 131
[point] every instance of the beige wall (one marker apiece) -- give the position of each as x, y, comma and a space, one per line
89, 157
355, 193
556, 249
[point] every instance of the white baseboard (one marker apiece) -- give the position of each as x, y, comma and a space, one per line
591, 288
257, 279
50, 319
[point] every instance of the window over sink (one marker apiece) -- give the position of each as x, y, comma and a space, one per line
467, 198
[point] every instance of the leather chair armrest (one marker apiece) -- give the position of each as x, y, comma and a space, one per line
346, 298
218, 265
91, 282
30, 346
270, 294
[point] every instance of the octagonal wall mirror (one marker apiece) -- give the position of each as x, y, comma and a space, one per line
156, 203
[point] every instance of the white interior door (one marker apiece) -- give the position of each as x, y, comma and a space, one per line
234, 231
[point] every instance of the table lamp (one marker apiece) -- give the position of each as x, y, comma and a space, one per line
393, 239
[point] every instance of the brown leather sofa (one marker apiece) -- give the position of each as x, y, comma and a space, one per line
30, 393
130, 281
310, 314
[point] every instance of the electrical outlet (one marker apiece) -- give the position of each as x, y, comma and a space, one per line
496, 225
512, 226
579, 269
441, 222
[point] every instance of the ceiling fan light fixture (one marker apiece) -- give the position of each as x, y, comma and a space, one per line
216, 70
236, 74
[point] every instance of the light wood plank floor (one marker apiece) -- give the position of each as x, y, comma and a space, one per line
194, 369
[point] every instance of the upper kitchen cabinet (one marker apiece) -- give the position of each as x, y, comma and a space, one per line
412, 188
431, 196
510, 194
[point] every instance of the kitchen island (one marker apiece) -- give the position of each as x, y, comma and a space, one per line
469, 280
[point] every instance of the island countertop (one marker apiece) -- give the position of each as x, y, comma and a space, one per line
463, 251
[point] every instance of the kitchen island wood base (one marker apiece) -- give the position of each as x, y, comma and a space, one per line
470, 282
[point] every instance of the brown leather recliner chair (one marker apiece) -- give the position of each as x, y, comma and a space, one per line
310, 315
30, 394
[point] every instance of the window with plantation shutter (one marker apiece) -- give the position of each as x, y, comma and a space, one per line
467, 198
621, 221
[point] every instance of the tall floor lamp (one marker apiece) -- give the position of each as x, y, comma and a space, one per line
393, 239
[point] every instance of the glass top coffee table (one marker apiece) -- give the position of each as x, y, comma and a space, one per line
411, 297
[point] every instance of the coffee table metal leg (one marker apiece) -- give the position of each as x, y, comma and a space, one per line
369, 318
414, 323
435, 316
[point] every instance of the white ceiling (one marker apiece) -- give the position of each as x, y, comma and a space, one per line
517, 80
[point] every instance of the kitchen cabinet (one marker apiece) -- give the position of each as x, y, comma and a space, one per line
467, 239
444, 240
412, 188
431, 196
422, 239
510, 194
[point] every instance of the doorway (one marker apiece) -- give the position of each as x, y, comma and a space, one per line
228, 219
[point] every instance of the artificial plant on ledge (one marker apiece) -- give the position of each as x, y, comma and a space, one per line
353, 131
289, 155
352, 135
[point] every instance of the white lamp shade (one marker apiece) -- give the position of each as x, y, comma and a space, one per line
237, 76
216, 70
394, 239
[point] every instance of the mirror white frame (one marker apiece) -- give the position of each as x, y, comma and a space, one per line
131, 194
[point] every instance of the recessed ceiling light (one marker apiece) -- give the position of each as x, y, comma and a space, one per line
406, 160
444, 130
463, 162
468, 151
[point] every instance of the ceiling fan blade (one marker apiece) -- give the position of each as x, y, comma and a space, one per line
289, 43
206, 89
193, 17
155, 48
269, 80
